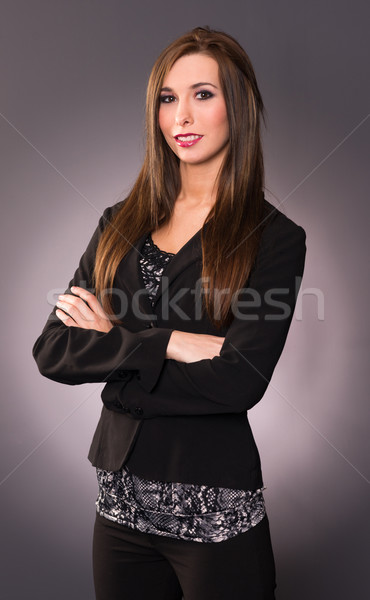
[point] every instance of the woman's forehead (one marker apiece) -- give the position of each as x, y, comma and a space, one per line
192, 69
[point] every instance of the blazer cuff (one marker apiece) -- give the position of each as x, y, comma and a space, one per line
155, 349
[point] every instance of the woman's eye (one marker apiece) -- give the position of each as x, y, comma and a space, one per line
204, 95
166, 99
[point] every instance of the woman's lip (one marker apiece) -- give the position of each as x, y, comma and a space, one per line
185, 143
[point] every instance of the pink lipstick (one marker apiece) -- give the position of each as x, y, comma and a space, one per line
187, 139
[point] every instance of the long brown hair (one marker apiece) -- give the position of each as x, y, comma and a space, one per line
231, 239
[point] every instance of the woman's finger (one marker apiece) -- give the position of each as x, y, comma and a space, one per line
76, 308
66, 319
83, 310
92, 300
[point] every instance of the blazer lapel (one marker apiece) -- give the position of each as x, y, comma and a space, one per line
129, 271
128, 276
186, 256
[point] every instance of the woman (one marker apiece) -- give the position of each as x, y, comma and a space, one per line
182, 303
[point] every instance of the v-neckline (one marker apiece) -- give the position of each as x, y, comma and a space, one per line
189, 253
190, 240
158, 248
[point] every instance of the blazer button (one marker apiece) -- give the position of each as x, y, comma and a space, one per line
149, 325
125, 409
138, 411
123, 375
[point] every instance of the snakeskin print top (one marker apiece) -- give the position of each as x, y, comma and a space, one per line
184, 511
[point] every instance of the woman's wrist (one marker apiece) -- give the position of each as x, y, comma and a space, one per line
173, 346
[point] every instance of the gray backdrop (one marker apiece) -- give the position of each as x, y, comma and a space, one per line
73, 79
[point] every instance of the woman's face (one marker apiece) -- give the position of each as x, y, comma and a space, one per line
192, 112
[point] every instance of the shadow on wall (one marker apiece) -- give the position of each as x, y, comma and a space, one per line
323, 559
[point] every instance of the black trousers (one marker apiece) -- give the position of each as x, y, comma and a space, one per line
130, 565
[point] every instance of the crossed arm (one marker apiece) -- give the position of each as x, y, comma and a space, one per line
203, 374
83, 310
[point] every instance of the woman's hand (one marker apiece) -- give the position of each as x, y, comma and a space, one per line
74, 312
190, 347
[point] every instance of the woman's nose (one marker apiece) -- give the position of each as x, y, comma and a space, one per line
183, 114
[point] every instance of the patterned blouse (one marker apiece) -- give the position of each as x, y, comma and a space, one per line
184, 511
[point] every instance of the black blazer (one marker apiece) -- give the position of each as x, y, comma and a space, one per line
169, 420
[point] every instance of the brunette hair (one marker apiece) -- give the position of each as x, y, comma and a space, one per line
231, 239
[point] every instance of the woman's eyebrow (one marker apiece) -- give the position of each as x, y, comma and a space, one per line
192, 87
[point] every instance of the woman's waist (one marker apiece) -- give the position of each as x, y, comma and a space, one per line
174, 498
218, 451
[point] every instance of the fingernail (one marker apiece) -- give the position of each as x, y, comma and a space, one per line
61, 315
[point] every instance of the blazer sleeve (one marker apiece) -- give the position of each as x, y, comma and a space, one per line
235, 380
73, 355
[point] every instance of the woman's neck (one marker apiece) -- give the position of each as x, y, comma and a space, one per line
198, 185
